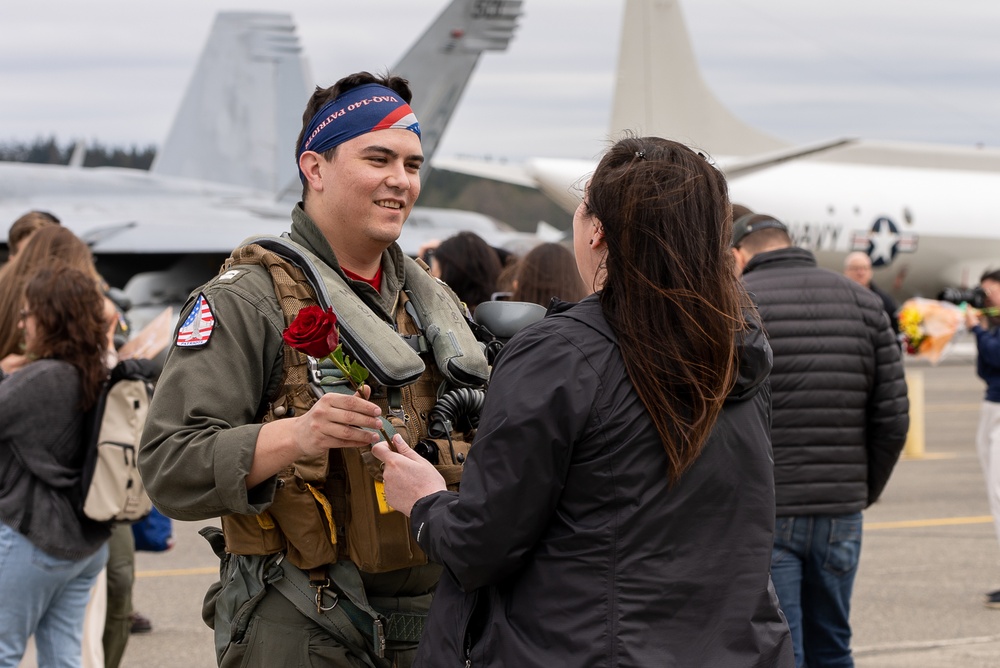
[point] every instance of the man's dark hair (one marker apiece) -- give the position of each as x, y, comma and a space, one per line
765, 239
990, 275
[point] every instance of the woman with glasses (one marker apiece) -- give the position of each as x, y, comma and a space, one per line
49, 555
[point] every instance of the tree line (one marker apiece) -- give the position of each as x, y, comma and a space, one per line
48, 151
516, 205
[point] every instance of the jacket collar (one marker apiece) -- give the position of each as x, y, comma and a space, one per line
782, 257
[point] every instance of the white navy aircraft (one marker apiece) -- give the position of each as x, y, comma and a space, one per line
227, 168
924, 213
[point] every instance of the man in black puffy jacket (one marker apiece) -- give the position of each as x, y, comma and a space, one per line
839, 422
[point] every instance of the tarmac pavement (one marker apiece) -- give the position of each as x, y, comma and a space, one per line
930, 552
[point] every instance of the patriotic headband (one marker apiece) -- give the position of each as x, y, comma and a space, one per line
356, 112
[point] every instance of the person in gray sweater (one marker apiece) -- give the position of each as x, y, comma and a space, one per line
50, 555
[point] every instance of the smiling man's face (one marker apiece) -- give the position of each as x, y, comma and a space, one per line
368, 188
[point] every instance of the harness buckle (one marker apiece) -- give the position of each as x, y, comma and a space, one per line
378, 633
320, 586
314, 372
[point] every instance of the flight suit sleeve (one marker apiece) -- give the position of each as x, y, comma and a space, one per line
200, 436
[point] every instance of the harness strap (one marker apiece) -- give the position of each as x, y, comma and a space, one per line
345, 610
295, 586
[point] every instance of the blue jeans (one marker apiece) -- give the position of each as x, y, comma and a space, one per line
813, 564
44, 596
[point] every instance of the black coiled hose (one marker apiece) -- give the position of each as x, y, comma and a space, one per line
454, 408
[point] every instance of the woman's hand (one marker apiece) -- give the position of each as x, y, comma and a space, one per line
408, 476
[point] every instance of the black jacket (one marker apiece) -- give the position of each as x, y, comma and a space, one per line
838, 391
566, 545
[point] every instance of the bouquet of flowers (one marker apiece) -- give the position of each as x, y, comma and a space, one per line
927, 326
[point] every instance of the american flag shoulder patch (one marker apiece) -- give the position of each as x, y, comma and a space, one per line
198, 325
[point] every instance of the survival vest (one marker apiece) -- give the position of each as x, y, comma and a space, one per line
330, 506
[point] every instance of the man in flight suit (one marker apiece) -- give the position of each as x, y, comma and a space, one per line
205, 451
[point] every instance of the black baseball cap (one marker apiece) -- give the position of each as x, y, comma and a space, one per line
752, 222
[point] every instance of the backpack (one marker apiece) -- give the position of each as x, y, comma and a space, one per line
112, 490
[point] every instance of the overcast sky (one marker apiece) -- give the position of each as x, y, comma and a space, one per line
115, 70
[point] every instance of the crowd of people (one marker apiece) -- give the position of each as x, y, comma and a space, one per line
451, 507
58, 335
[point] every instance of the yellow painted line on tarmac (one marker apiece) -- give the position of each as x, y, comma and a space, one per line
951, 408
927, 456
174, 572
938, 522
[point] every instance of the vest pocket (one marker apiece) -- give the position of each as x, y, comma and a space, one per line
305, 517
376, 542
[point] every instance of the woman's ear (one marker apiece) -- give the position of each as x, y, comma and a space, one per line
597, 235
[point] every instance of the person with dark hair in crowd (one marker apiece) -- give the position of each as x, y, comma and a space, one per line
315, 571
624, 518
469, 266
739, 211
546, 272
839, 423
858, 268
25, 226
56, 244
986, 329
50, 244
50, 556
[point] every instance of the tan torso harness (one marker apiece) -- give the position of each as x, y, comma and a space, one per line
328, 507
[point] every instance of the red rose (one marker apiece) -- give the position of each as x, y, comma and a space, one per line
313, 332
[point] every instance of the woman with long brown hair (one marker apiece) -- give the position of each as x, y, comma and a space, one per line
617, 505
49, 555
46, 246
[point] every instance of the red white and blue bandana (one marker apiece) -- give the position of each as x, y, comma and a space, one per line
356, 112
198, 325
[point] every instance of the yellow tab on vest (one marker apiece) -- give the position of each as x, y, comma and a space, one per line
327, 510
265, 521
383, 505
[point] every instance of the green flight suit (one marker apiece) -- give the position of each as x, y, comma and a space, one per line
199, 440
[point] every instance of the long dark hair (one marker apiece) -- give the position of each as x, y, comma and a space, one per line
547, 271
670, 293
469, 266
69, 313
